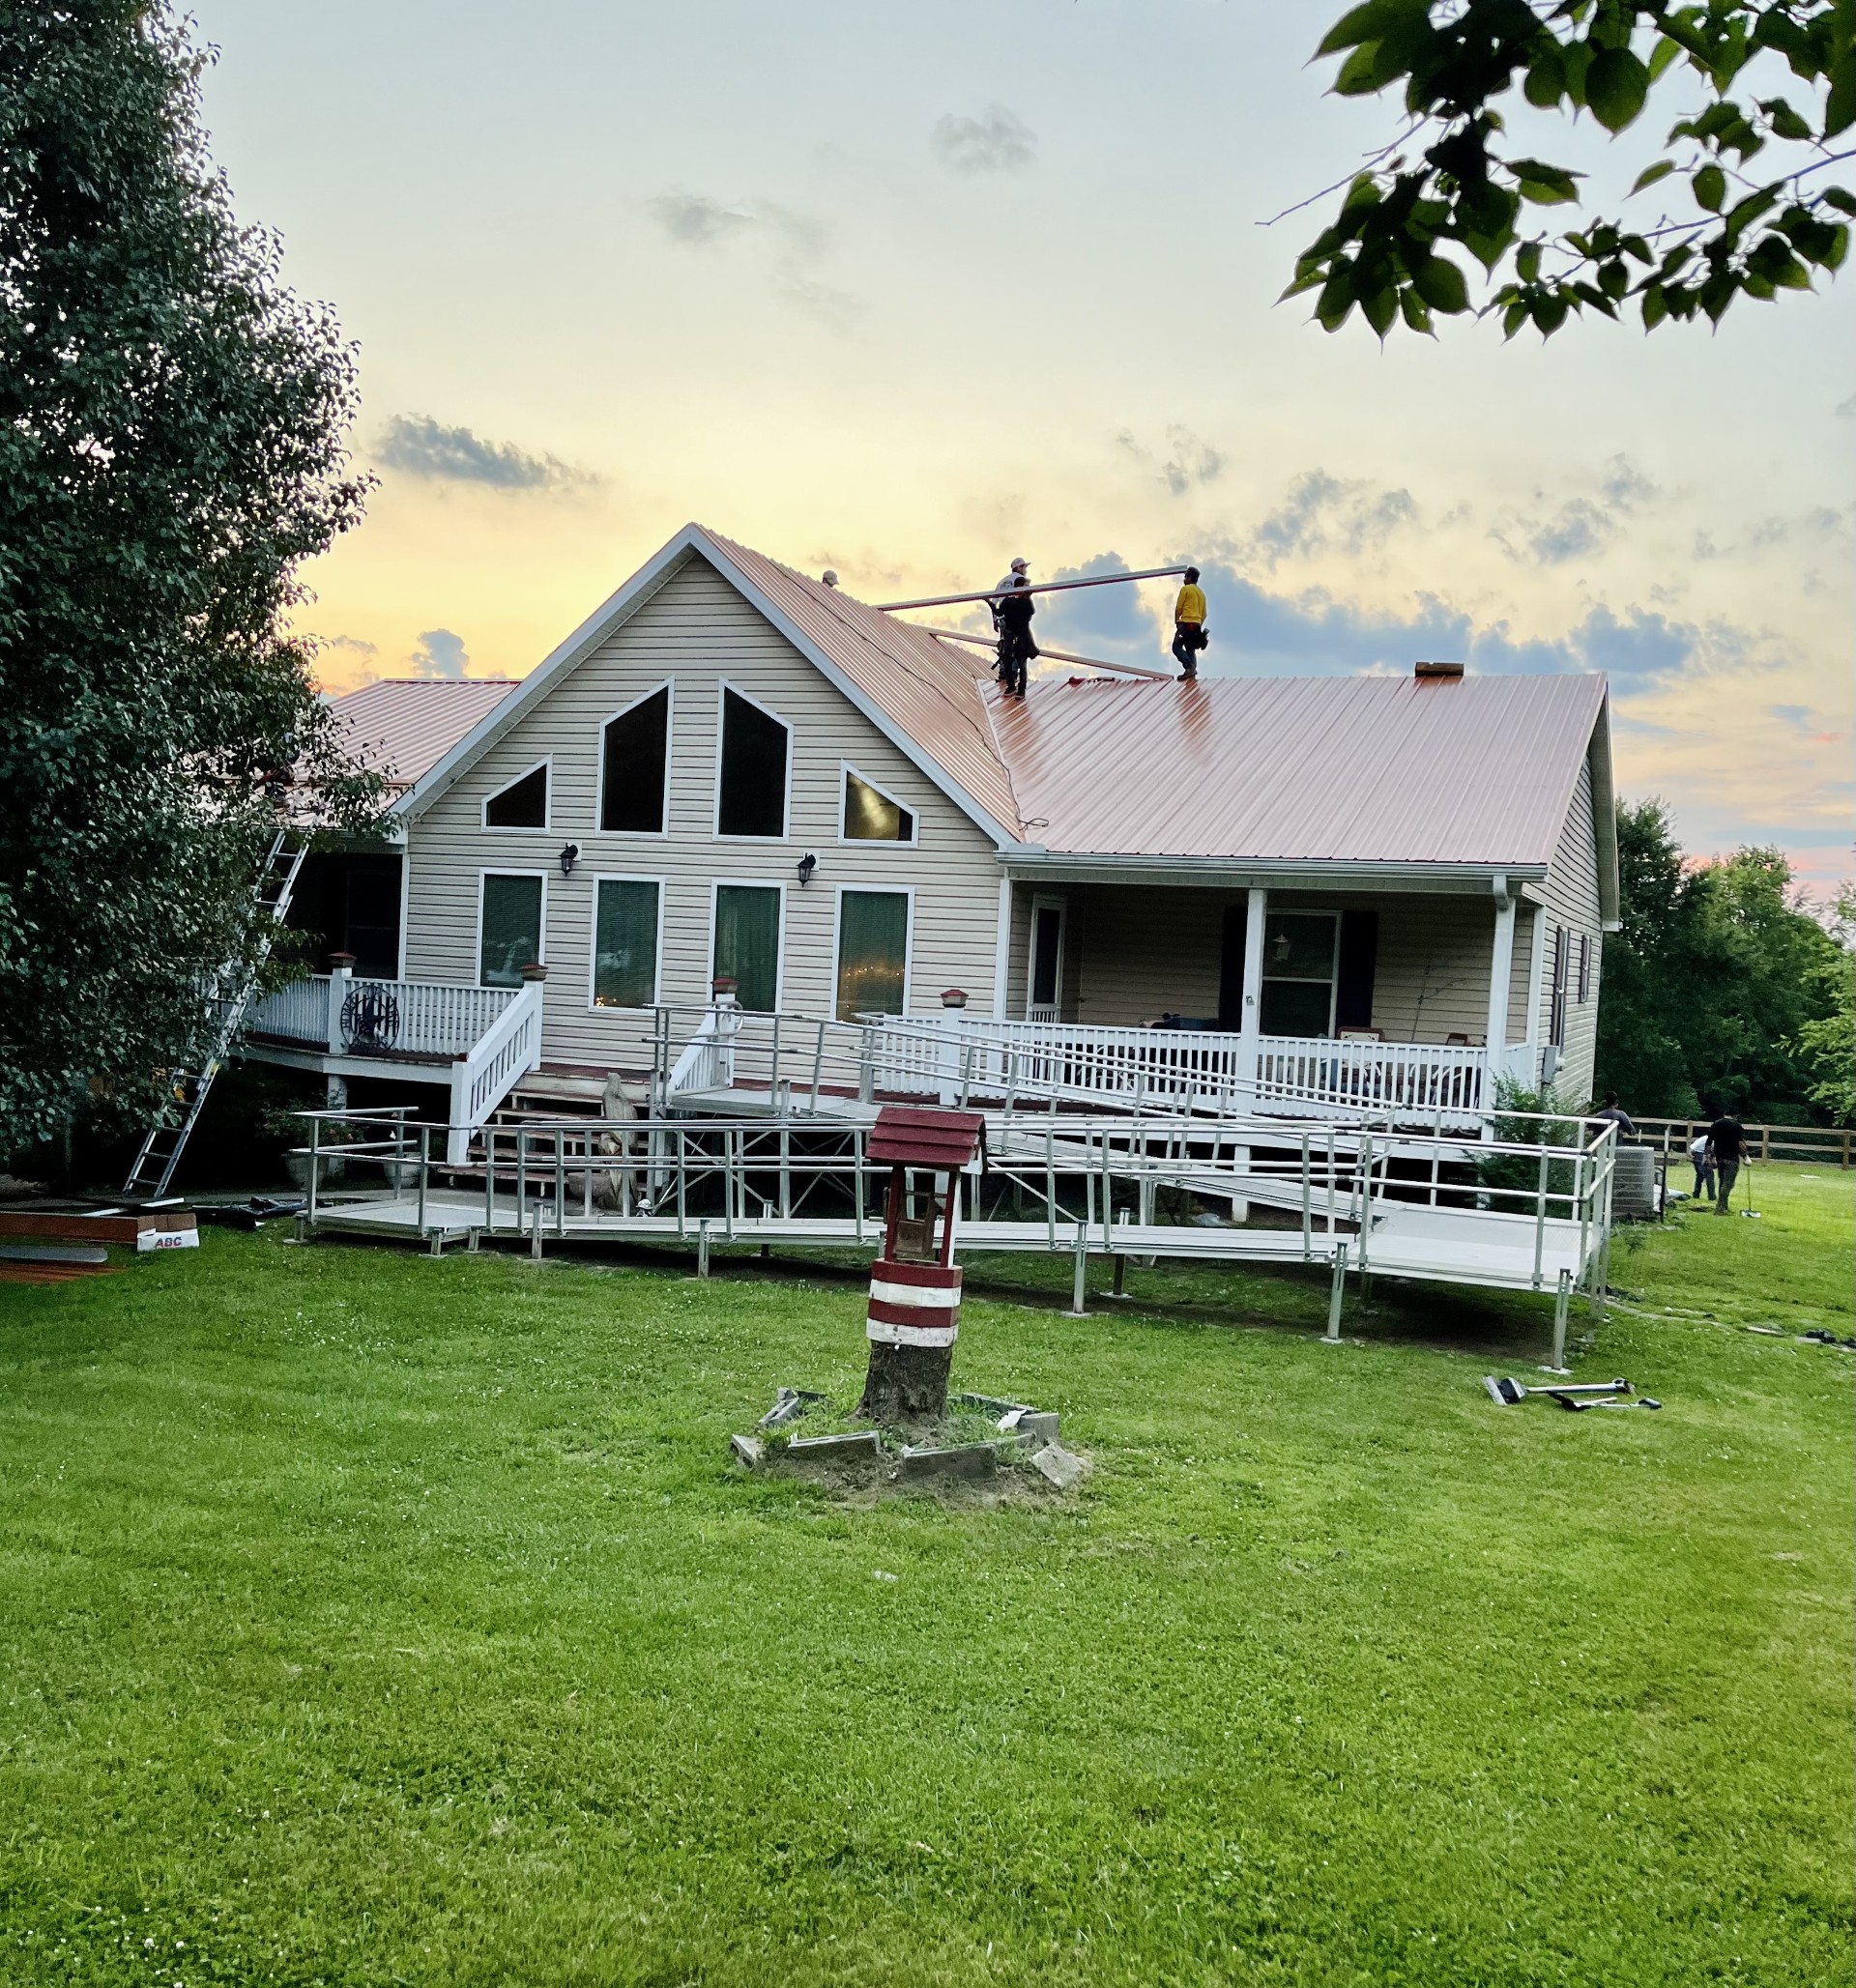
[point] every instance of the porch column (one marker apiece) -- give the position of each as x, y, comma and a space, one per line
1501, 964
1536, 986
1250, 1022
1250, 1025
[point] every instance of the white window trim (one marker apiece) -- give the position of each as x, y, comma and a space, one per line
1302, 979
541, 947
722, 688
658, 834
861, 842
888, 890
598, 879
715, 886
405, 907
515, 780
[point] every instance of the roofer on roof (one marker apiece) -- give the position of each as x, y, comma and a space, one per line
1012, 611
1189, 635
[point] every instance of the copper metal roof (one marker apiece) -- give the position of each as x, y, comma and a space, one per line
1315, 769
928, 689
404, 725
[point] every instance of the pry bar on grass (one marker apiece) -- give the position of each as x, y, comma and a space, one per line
1505, 1393
1566, 1400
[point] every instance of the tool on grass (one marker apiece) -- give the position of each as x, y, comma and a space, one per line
1565, 1401
1505, 1393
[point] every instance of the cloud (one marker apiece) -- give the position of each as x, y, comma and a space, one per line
439, 655
1322, 512
1580, 529
1583, 526
1192, 460
994, 142
1108, 622
794, 243
419, 446
345, 659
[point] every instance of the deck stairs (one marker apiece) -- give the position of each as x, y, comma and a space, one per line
227, 1000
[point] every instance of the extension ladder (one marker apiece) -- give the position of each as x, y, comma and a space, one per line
167, 1137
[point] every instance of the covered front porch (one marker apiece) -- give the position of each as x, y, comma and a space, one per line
1297, 1000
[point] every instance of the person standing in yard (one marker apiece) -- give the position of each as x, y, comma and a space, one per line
1610, 1109
1703, 1167
1727, 1148
1189, 626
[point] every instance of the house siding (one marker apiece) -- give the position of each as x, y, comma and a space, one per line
1570, 898
696, 632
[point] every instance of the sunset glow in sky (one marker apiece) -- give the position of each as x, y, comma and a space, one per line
907, 291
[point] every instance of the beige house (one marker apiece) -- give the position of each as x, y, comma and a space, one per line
1394, 886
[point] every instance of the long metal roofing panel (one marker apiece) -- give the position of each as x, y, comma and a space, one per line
1359, 769
928, 689
403, 726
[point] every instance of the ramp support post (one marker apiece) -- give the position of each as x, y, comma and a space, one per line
702, 1248
1080, 1275
1332, 1336
1562, 1304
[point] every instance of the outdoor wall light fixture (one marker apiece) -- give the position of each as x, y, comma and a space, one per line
808, 863
569, 856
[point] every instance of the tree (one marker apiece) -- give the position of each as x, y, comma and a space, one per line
1715, 971
1828, 1043
1449, 179
170, 451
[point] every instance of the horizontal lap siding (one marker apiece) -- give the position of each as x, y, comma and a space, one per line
1570, 894
698, 630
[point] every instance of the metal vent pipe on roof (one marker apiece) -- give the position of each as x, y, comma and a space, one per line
1435, 672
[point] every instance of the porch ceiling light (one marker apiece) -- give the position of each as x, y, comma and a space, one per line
569, 856
808, 863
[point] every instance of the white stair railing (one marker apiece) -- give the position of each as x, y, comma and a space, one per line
481, 1079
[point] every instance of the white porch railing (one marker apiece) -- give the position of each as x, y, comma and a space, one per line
409, 1018
1444, 1083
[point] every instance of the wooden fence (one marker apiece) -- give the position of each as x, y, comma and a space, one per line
1829, 1146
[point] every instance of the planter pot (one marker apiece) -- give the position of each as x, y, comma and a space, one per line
296, 1167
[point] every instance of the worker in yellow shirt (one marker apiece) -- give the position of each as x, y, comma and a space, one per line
1189, 626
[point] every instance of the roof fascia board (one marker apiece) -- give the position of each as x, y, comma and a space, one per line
922, 760
595, 629
1230, 872
1604, 819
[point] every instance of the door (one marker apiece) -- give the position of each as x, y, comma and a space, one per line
1045, 991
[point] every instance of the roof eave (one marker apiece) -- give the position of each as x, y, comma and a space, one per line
1305, 872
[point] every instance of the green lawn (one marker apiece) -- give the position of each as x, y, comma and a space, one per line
368, 1619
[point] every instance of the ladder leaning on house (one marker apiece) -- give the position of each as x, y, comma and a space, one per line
161, 1149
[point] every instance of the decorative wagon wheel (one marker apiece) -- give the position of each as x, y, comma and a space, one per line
369, 1019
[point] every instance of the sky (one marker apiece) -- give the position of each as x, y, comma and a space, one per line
907, 291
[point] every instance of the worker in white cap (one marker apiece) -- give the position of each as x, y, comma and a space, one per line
1012, 610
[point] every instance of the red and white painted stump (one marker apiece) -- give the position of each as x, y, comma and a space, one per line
913, 1304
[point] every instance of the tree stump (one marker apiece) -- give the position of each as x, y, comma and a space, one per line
906, 1384
914, 1323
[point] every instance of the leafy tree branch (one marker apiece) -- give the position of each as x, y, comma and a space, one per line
1758, 223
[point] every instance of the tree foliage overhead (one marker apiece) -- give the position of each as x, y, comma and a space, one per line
1716, 982
170, 450
1776, 86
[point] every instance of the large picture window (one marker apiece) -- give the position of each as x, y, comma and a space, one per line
747, 942
1299, 950
522, 804
634, 768
871, 815
873, 951
625, 943
509, 930
751, 799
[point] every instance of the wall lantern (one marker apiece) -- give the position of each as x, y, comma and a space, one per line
569, 856
808, 863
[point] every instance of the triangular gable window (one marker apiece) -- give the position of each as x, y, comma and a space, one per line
522, 804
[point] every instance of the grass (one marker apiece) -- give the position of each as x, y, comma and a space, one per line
373, 1620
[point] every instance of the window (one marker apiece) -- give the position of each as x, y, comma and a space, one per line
1556, 1013
873, 951
509, 932
1584, 968
633, 767
522, 804
752, 796
1047, 960
871, 815
1299, 973
747, 942
625, 943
